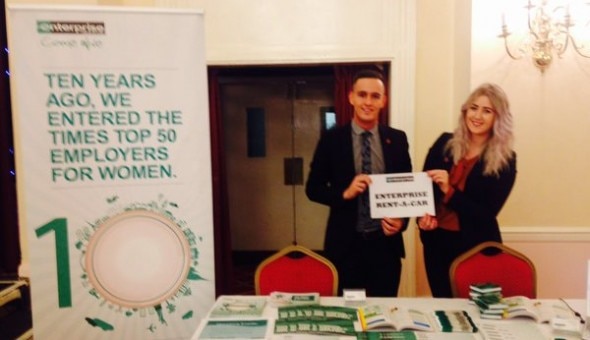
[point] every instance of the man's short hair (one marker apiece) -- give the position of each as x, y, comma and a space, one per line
368, 73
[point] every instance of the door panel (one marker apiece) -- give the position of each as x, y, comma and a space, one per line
311, 217
265, 213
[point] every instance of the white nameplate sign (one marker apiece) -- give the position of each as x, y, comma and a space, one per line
354, 295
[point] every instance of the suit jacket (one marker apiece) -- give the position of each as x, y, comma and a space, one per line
331, 172
479, 203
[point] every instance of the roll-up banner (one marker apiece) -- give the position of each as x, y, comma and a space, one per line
112, 145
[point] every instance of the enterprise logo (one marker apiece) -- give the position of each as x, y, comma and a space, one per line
399, 179
70, 27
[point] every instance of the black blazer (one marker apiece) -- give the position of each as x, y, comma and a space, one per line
479, 203
332, 170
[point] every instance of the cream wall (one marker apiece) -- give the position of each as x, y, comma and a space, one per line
437, 57
552, 120
545, 216
442, 83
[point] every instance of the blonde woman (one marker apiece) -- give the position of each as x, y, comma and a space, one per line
473, 171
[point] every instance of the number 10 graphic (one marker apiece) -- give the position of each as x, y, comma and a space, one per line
62, 254
135, 259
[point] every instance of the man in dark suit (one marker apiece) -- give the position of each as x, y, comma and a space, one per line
367, 252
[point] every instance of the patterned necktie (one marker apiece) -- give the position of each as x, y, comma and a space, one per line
365, 209
366, 153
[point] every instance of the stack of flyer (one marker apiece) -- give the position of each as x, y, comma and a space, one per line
488, 298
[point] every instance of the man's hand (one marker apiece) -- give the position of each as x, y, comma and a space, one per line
391, 226
359, 184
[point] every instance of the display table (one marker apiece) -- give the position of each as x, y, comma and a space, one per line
519, 328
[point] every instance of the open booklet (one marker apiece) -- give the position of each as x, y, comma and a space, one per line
378, 318
540, 311
375, 317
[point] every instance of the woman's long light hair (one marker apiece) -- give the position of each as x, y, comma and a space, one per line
498, 150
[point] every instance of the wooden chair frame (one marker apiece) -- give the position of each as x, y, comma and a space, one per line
477, 249
290, 249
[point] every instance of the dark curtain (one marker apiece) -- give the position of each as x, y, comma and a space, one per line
343, 74
9, 237
221, 232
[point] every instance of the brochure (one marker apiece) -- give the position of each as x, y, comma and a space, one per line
239, 306
234, 329
540, 311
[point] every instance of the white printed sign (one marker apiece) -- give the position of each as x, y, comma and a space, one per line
401, 195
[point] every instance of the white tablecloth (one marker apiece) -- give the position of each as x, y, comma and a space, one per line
515, 329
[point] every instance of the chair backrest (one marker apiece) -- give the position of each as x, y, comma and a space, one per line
497, 263
296, 269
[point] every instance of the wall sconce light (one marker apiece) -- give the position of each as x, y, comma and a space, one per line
548, 34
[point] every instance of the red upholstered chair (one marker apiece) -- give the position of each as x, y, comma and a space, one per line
497, 263
296, 269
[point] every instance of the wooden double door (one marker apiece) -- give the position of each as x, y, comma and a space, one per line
271, 124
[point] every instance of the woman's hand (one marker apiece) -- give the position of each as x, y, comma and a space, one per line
441, 178
427, 222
